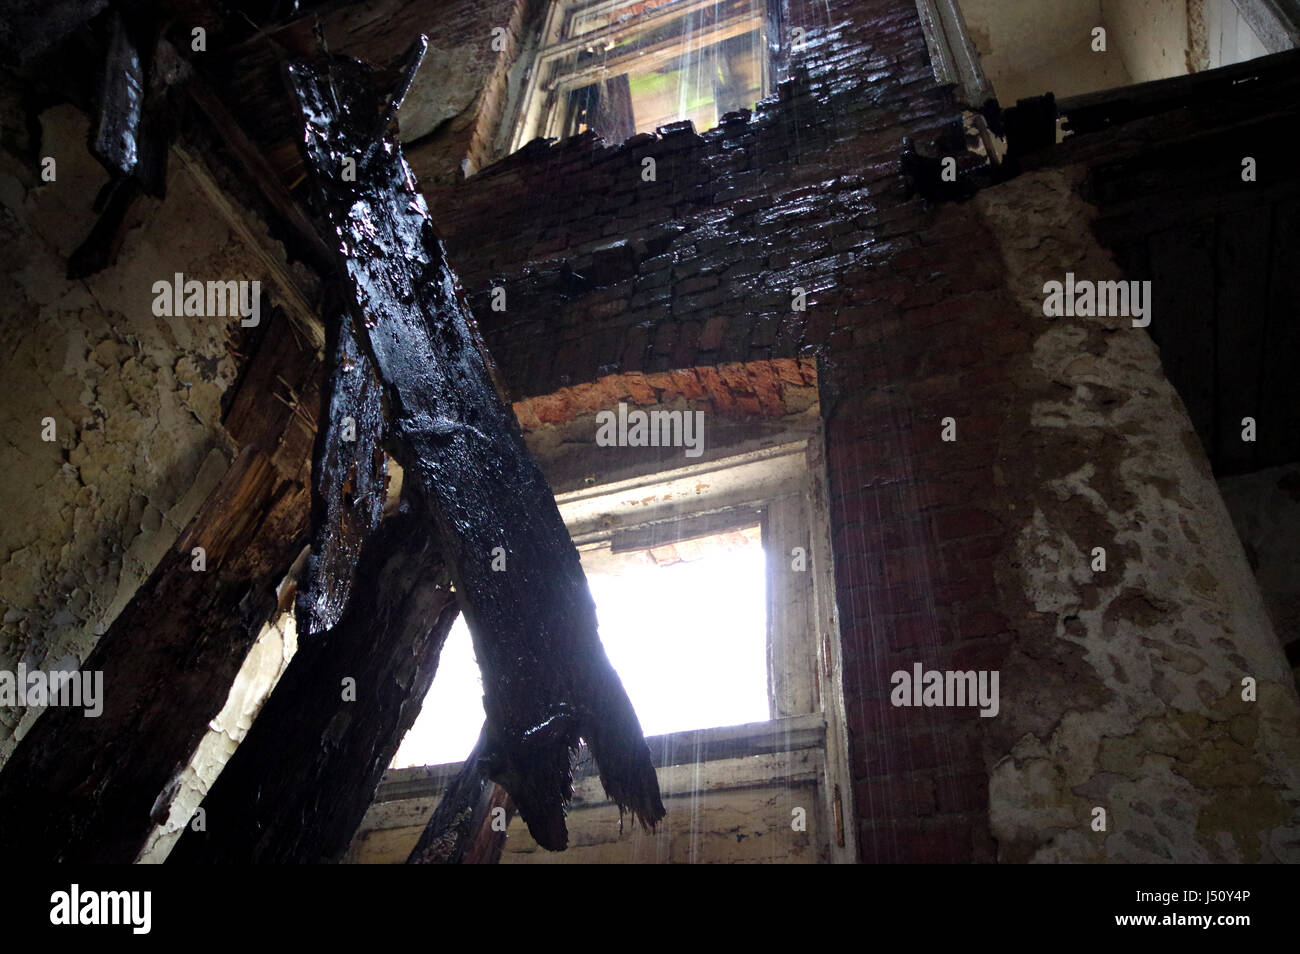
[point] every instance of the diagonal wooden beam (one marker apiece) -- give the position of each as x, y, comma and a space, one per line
547, 680
349, 482
469, 825
92, 789
298, 786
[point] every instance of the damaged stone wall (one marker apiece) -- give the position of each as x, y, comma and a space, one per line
1126, 682
137, 399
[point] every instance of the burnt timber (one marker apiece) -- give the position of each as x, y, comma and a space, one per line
297, 787
466, 827
349, 472
547, 680
170, 657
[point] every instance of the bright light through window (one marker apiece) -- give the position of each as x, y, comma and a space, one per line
624, 67
685, 625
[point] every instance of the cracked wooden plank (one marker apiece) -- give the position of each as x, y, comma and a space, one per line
547, 680
349, 482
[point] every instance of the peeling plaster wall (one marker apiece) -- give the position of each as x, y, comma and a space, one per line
1014, 36
136, 398
1151, 35
1030, 47
1124, 687
1221, 36
1079, 71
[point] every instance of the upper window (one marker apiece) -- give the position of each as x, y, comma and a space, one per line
619, 67
682, 619
713, 588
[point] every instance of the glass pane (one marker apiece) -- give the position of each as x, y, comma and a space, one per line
685, 626
693, 61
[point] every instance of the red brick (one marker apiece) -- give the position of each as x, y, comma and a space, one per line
981, 623
894, 797
711, 336
934, 841
968, 792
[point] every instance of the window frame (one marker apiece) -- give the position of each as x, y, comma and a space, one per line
804, 742
766, 487
539, 117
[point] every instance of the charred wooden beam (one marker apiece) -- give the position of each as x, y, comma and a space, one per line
547, 680
31, 28
1031, 126
349, 481
114, 138
92, 789
277, 399
466, 828
98, 250
80, 789
131, 131
299, 784
258, 170
1245, 86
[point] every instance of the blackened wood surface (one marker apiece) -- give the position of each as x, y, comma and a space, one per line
30, 28
87, 790
1217, 245
297, 787
100, 247
461, 830
120, 99
349, 472
547, 680
80, 789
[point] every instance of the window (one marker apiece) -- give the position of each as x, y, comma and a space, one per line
620, 67
687, 614
713, 588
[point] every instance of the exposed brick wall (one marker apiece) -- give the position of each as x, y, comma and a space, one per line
917, 529
751, 390
608, 274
